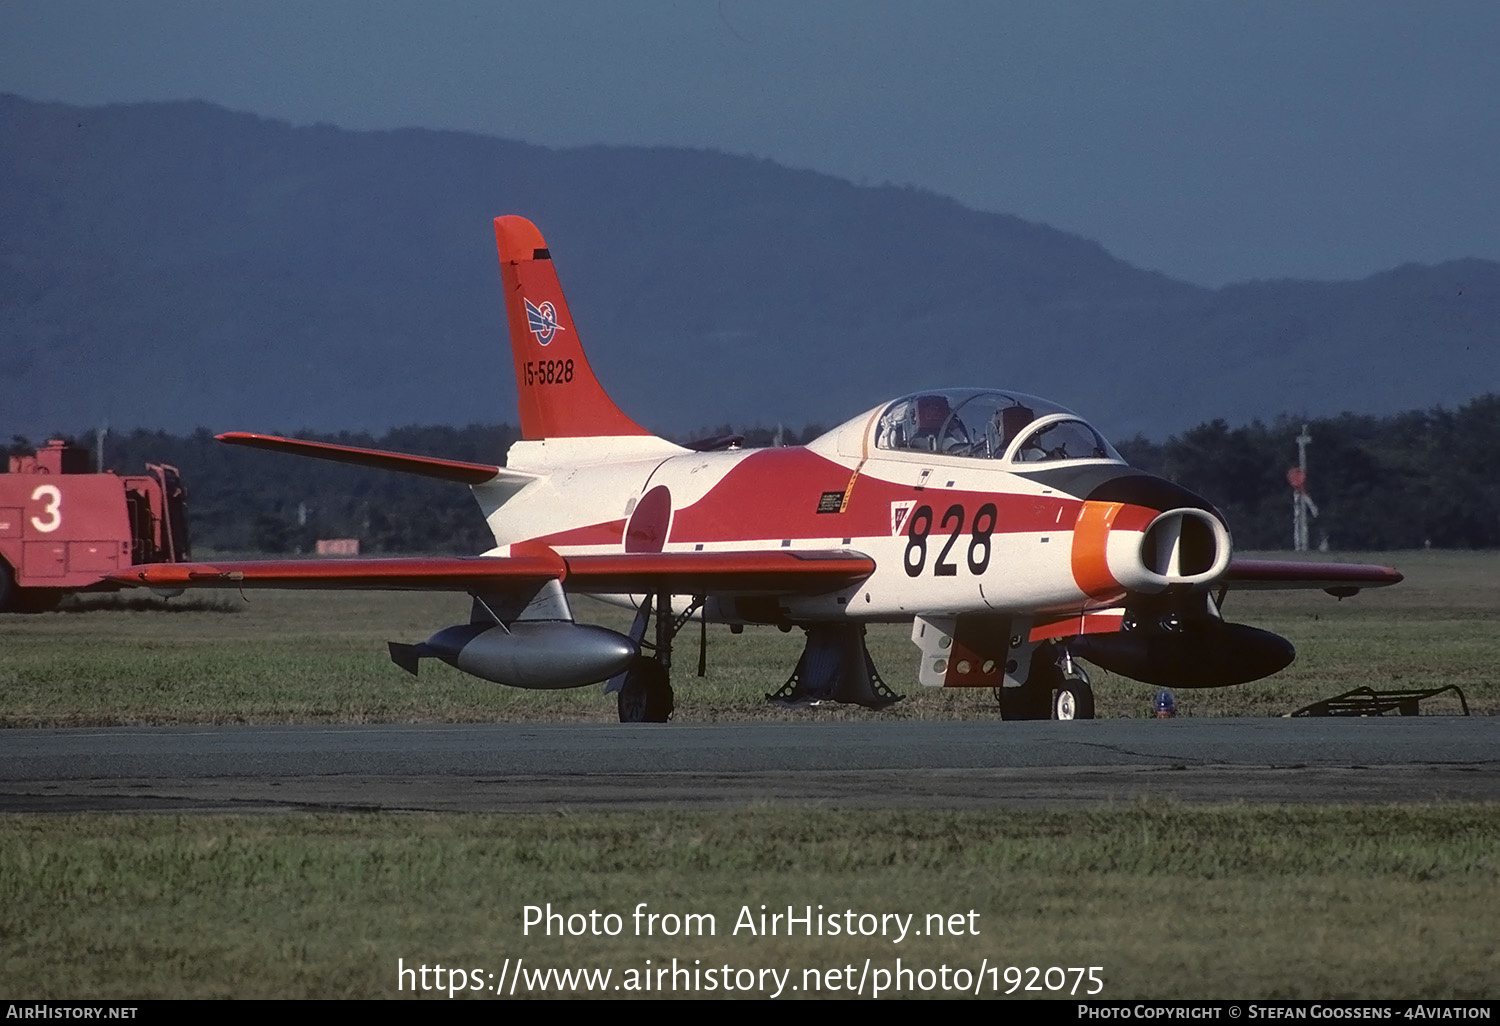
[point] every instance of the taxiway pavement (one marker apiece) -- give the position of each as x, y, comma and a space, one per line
885, 764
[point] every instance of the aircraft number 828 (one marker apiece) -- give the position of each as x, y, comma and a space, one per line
979, 542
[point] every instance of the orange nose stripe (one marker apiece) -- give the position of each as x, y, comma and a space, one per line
1090, 542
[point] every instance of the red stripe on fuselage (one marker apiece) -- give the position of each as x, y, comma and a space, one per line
608, 533
774, 494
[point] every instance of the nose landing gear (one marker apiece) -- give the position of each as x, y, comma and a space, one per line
1056, 688
1074, 698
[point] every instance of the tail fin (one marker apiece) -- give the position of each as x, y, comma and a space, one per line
559, 395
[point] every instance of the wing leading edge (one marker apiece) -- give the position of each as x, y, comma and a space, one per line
1335, 578
776, 572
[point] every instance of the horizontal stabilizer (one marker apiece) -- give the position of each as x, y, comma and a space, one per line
378, 459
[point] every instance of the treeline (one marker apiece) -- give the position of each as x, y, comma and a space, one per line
1406, 481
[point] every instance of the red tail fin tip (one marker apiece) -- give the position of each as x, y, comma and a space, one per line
559, 395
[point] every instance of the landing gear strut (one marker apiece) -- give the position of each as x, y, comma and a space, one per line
645, 696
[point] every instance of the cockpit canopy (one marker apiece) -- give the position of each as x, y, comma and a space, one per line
985, 424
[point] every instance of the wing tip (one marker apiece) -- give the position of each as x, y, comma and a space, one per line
1339, 579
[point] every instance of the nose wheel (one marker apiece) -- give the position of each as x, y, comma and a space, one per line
1056, 688
1074, 698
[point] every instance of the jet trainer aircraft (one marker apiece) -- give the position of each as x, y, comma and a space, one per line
1004, 527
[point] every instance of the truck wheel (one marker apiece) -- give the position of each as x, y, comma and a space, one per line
14, 599
37, 600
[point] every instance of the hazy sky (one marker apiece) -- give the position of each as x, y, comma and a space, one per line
1215, 141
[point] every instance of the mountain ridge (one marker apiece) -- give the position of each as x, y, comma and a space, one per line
175, 265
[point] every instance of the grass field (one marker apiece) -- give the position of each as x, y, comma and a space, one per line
320, 657
1171, 901
1168, 901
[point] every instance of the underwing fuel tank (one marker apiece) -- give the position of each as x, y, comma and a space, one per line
538, 654
1206, 654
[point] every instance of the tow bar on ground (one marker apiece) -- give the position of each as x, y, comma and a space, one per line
1366, 701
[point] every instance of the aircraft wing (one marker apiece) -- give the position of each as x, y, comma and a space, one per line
1335, 578
776, 572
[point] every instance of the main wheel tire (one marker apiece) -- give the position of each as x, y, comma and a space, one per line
646, 696
1073, 699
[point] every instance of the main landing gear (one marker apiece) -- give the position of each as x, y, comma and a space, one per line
645, 692
646, 695
1057, 688
835, 666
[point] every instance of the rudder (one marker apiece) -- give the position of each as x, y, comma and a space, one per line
559, 396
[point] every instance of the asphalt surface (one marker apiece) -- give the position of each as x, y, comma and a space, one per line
890, 764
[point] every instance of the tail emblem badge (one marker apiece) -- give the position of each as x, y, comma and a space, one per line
542, 320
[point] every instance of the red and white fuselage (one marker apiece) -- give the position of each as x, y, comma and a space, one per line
999, 523
948, 534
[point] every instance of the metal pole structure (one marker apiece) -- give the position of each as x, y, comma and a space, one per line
1299, 492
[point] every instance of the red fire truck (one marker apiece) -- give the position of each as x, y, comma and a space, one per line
62, 526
